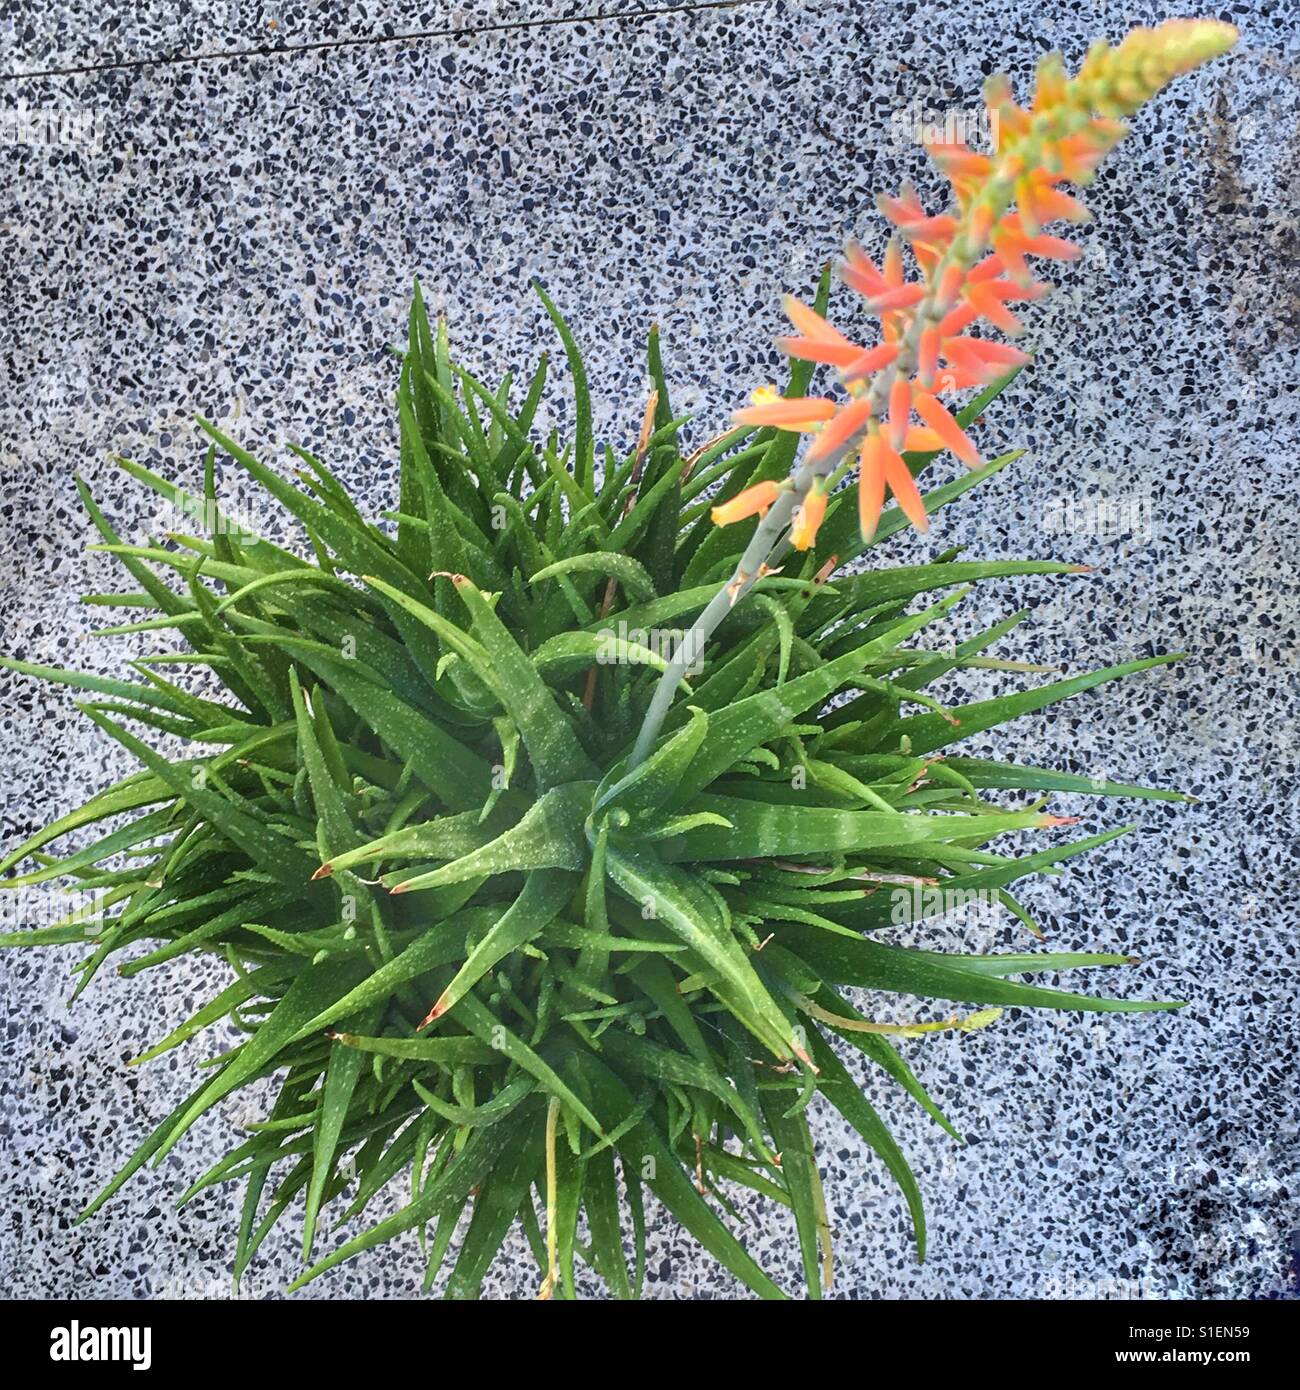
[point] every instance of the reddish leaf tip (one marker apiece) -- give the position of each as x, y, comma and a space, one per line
434, 1013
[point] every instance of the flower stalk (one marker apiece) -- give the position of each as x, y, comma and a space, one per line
972, 263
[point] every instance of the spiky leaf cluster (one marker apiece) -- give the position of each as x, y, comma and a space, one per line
485, 962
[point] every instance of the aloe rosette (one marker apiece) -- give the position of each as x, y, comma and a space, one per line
525, 910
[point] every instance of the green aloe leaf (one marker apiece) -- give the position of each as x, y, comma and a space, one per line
984, 772
874, 965
644, 790
750, 722
548, 836
927, 732
310, 994
544, 893
644, 1150
672, 899
757, 830
275, 854
632, 575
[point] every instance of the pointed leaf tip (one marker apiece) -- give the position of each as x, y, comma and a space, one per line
433, 1015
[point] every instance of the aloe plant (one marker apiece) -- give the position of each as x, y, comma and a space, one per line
525, 908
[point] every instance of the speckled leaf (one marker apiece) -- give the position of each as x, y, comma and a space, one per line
548, 836
669, 895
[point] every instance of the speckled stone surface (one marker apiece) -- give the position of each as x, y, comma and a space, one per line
240, 240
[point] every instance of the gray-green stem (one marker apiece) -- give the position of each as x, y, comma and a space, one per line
763, 543
769, 539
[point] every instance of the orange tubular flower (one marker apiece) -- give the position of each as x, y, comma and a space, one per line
871, 485
921, 440
967, 171
929, 236
982, 357
870, 361
936, 416
753, 501
847, 423
818, 341
983, 295
1012, 244
884, 291
1039, 202
903, 486
955, 378
808, 520
881, 463
900, 409
801, 413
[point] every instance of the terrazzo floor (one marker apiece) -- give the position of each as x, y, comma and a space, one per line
237, 235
